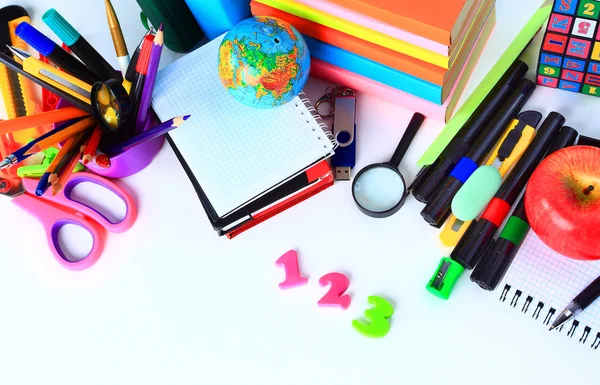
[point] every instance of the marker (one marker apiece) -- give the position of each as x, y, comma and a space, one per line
496, 260
437, 209
54, 53
141, 69
584, 299
469, 249
153, 64
117, 36
427, 181
480, 188
80, 47
130, 73
479, 234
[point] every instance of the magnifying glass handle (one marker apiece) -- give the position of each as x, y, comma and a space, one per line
407, 138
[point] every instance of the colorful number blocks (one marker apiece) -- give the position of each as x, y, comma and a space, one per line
570, 54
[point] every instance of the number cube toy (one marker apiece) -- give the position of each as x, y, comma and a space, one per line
570, 54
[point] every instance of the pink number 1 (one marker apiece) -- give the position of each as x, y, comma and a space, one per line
335, 297
289, 261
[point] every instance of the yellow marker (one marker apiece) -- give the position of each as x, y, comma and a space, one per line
52, 75
454, 228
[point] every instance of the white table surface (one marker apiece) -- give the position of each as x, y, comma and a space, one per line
171, 303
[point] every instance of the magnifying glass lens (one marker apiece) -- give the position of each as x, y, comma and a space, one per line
379, 189
108, 107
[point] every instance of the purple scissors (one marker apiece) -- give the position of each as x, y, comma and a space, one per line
54, 212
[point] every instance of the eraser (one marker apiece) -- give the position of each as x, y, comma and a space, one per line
476, 193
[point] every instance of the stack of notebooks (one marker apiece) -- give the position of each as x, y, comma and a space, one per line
246, 164
416, 54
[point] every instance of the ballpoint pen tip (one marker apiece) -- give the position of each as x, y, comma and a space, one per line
552, 327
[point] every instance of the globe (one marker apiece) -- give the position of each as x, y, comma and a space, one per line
263, 62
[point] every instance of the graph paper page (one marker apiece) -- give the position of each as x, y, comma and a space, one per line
236, 152
552, 279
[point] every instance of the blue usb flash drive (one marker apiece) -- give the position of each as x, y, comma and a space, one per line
344, 131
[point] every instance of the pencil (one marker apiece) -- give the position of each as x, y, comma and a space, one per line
23, 153
65, 174
148, 135
146, 98
73, 151
117, 36
63, 135
92, 146
43, 184
50, 117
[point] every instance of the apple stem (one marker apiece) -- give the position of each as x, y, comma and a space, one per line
588, 190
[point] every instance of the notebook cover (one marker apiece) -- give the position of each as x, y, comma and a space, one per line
359, 31
371, 69
433, 19
321, 173
376, 25
396, 60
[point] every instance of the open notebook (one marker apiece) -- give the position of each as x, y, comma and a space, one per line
236, 153
541, 283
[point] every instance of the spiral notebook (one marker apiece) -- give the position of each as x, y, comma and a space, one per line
541, 283
235, 152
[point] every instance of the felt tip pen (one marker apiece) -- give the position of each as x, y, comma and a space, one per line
429, 178
141, 69
80, 47
478, 236
496, 260
130, 73
146, 97
117, 36
45, 46
50, 74
438, 208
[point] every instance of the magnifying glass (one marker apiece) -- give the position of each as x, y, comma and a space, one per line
111, 105
379, 190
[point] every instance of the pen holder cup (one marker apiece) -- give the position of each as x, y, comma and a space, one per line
129, 162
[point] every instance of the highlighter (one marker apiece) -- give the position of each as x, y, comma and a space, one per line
45, 46
480, 188
427, 181
478, 236
437, 210
54, 76
494, 263
80, 47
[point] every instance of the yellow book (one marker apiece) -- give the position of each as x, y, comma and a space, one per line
358, 31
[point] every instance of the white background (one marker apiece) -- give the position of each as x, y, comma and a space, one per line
170, 302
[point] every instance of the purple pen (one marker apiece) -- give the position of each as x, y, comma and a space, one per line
147, 135
146, 99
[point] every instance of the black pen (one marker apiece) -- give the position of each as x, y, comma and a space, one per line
579, 304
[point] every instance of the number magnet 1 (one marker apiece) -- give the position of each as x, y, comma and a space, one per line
335, 297
289, 262
379, 326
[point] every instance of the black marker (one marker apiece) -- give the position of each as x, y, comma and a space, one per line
429, 178
438, 208
480, 233
496, 260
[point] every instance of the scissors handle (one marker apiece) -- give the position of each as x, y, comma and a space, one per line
53, 219
64, 198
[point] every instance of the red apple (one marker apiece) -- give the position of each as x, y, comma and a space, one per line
562, 202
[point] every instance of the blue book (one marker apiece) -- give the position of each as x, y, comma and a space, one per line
373, 70
216, 17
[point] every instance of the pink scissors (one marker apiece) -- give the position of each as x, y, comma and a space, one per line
56, 211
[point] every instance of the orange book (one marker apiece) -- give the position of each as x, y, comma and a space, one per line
438, 20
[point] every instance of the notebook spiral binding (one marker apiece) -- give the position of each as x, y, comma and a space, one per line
313, 111
547, 320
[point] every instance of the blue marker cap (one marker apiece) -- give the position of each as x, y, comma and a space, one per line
35, 38
60, 27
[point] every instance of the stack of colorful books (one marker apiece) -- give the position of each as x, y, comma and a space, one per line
416, 54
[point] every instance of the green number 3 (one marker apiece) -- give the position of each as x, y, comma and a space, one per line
379, 326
